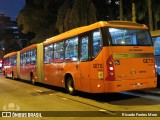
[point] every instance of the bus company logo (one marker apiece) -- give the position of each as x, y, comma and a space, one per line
11, 107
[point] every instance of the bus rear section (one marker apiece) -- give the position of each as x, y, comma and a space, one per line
130, 63
9, 68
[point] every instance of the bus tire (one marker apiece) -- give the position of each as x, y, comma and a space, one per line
70, 86
32, 79
13, 77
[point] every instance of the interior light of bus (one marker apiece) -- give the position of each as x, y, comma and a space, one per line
122, 42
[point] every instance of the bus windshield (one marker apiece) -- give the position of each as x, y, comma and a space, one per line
130, 37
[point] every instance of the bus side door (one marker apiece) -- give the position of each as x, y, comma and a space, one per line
84, 64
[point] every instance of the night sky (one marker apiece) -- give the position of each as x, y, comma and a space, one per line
11, 8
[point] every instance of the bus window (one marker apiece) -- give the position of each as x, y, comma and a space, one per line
28, 57
134, 37
23, 58
48, 53
21, 61
96, 45
13, 60
7, 61
71, 49
33, 56
59, 52
84, 48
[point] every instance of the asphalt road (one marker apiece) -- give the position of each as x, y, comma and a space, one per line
52, 102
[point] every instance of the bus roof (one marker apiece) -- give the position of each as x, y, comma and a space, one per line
79, 30
10, 54
29, 48
155, 33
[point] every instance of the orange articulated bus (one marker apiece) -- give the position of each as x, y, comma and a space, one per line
102, 57
9, 68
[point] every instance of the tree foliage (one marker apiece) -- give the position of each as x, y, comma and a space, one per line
39, 17
75, 13
46, 18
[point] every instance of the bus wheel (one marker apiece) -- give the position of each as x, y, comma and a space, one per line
32, 79
12, 76
70, 86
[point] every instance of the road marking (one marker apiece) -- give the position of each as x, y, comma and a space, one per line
102, 110
64, 98
38, 90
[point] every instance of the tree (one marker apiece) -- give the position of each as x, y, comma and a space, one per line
121, 9
113, 9
156, 11
101, 7
141, 9
46, 18
75, 13
127, 9
149, 4
133, 11
145, 9
39, 17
